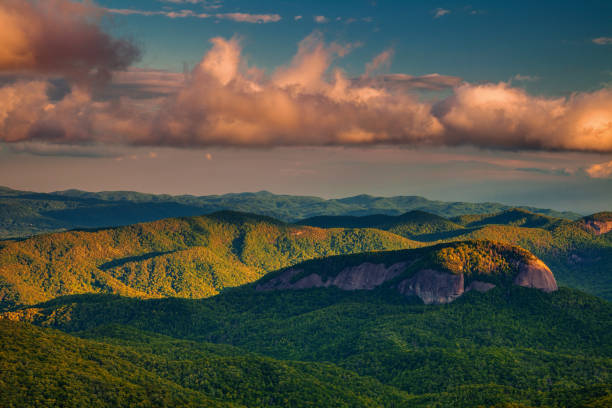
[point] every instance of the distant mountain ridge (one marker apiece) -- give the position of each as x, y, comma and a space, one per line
24, 213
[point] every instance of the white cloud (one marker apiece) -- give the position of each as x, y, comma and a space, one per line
321, 19
238, 17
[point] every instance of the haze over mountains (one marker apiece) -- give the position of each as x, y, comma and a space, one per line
25, 213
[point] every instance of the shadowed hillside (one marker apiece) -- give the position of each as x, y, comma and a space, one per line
509, 345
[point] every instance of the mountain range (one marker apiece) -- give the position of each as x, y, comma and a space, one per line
503, 309
24, 213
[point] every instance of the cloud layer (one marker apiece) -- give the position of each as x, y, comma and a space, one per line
225, 102
600, 170
59, 37
238, 17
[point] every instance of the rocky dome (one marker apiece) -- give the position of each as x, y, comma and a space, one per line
598, 224
438, 274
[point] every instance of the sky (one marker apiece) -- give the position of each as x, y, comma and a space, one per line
451, 100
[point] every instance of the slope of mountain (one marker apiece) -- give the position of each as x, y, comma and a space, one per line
580, 256
508, 345
410, 225
579, 252
187, 257
46, 368
24, 213
515, 216
435, 274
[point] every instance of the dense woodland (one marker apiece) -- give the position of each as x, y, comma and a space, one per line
197, 257
154, 317
518, 345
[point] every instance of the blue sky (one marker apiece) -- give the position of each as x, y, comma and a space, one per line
453, 100
477, 41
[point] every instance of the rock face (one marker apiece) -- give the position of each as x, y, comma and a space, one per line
479, 286
598, 227
364, 276
536, 275
433, 286
430, 285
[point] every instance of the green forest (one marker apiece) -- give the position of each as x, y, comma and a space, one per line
167, 313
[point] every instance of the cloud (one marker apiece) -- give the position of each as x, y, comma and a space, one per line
500, 116
525, 78
308, 102
439, 12
548, 171
60, 37
321, 19
405, 82
600, 170
142, 84
297, 18
250, 18
66, 150
602, 40
382, 59
238, 17
209, 4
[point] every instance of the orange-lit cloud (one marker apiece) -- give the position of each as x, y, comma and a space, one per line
59, 37
500, 116
600, 170
308, 102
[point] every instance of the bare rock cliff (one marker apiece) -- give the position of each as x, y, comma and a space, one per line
364, 276
598, 227
431, 286
536, 274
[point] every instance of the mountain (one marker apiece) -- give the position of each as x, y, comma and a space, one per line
24, 213
187, 257
517, 217
411, 224
435, 274
199, 256
579, 255
579, 252
458, 323
510, 345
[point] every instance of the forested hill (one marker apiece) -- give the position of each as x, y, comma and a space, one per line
24, 213
579, 252
187, 257
199, 256
509, 347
